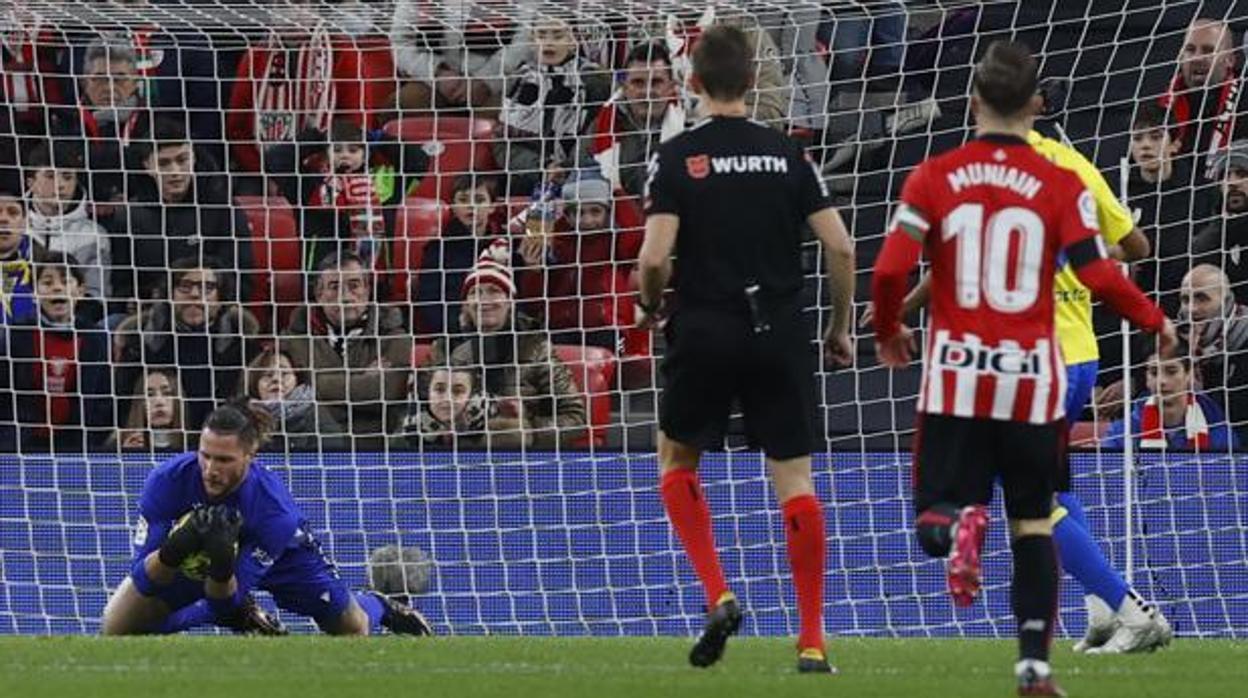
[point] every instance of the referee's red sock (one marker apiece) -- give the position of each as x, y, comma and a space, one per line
691, 517
804, 528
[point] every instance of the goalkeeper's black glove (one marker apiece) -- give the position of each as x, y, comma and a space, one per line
221, 541
185, 540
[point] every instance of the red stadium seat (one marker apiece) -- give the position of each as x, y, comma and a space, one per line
593, 369
277, 256
455, 145
417, 222
1087, 434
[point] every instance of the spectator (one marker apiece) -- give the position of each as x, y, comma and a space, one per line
551, 98
449, 257
1159, 189
581, 271
448, 407
452, 60
645, 111
111, 113
179, 207
300, 80
59, 362
284, 389
32, 69
1218, 327
1173, 415
17, 253
353, 191
521, 371
59, 217
1223, 243
357, 350
154, 419
199, 329
1207, 95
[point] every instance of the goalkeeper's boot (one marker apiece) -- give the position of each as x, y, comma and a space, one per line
1036, 679
1102, 623
721, 622
963, 565
402, 619
250, 618
814, 661
1142, 628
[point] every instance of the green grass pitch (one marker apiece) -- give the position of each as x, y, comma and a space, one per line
516, 667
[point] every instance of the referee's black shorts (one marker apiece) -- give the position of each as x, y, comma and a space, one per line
714, 357
957, 459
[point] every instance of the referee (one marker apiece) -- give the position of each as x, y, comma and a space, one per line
729, 197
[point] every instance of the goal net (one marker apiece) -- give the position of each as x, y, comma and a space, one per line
408, 230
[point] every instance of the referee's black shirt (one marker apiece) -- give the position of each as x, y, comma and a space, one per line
742, 192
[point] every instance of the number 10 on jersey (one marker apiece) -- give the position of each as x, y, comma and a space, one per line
999, 259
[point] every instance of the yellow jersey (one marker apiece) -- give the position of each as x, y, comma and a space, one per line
1073, 300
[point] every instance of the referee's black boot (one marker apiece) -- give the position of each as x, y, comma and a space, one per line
402, 619
721, 622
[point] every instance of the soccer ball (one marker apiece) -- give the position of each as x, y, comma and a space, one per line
196, 566
395, 570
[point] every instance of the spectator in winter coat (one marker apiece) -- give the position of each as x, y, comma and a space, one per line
284, 389
358, 351
59, 218
17, 253
198, 329
550, 100
59, 365
1223, 242
448, 408
1207, 96
179, 207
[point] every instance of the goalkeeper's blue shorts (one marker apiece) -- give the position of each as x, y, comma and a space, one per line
302, 581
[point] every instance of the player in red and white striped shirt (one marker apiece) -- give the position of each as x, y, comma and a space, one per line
993, 218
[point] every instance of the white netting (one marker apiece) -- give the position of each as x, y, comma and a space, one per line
224, 150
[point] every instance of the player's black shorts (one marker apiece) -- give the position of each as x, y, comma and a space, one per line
714, 358
956, 460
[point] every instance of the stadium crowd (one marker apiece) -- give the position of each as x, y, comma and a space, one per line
428, 237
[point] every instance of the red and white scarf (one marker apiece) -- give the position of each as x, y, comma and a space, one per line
605, 146
1179, 100
1153, 430
291, 98
23, 85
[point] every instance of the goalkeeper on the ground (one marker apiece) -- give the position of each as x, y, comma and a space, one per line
214, 526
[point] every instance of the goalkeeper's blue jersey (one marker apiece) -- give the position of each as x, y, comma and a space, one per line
274, 534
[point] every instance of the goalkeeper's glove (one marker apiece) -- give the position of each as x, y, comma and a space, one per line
185, 540
220, 542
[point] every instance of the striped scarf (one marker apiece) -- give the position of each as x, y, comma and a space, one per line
22, 86
1179, 100
296, 90
1153, 429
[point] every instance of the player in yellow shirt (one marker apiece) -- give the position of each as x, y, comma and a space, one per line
1119, 620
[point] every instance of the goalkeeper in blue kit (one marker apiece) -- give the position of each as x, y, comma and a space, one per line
214, 526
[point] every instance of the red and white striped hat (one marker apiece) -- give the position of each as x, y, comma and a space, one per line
493, 267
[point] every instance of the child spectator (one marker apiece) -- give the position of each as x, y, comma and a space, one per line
352, 191
448, 407
154, 418
550, 100
59, 218
1159, 188
61, 375
581, 271
521, 371
451, 256
17, 252
1173, 415
199, 329
357, 350
284, 389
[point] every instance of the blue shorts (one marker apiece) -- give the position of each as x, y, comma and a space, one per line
1080, 380
302, 581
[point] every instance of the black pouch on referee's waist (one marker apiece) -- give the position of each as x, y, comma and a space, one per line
760, 316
